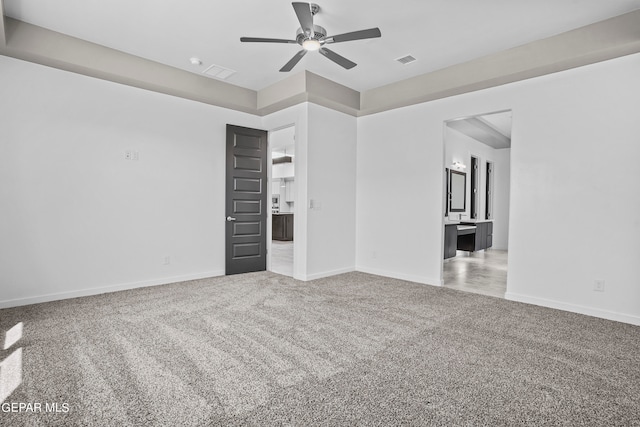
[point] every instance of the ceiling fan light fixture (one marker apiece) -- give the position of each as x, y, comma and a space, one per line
311, 44
314, 38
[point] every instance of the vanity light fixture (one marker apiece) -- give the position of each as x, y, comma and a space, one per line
459, 165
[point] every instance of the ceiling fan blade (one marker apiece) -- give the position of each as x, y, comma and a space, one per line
355, 35
340, 60
293, 61
303, 11
264, 40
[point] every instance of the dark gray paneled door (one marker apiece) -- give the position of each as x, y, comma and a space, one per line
246, 200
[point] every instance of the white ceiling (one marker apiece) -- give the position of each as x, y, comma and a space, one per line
439, 33
499, 121
493, 129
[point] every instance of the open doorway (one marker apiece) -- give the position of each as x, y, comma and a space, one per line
477, 160
282, 150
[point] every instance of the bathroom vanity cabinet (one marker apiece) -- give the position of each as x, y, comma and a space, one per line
450, 240
467, 236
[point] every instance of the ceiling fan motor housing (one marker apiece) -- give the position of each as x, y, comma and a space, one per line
318, 34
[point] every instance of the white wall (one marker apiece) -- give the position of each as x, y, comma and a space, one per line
460, 147
400, 195
501, 191
77, 218
325, 160
331, 176
572, 132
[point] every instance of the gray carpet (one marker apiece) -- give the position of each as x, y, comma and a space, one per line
356, 349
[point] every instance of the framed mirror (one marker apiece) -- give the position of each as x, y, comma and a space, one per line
457, 191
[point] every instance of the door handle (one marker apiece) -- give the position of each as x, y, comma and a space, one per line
230, 218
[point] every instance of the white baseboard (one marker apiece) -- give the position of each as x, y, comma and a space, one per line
106, 289
323, 274
589, 311
401, 276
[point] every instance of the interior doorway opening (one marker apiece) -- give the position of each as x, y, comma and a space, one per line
477, 168
283, 203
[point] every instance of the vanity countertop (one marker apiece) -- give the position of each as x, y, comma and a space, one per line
466, 227
467, 221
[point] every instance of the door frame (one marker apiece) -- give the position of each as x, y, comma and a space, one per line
480, 159
296, 205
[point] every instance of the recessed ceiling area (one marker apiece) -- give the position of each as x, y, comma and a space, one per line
437, 33
492, 129
499, 121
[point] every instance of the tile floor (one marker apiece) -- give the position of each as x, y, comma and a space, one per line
282, 257
482, 272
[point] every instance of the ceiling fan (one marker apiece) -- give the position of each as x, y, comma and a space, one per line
313, 37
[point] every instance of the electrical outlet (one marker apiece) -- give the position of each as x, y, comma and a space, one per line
167, 260
598, 285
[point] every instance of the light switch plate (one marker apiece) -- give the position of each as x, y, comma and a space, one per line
598, 285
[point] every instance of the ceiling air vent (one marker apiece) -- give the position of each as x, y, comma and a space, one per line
406, 60
218, 72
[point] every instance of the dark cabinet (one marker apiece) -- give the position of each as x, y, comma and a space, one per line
476, 240
489, 235
483, 238
450, 240
282, 226
467, 239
